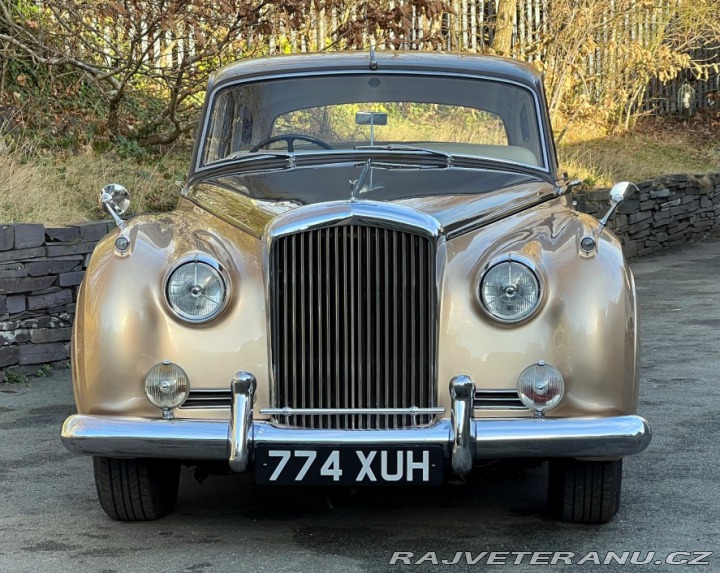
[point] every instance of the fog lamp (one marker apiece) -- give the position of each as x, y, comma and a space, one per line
540, 387
167, 386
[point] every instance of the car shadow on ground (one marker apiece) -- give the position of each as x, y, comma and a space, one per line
499, 487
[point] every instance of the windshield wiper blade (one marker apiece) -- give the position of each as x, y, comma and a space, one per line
398, 147
245, 157
494, 163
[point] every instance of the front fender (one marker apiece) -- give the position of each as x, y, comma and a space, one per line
124, 325
586, 326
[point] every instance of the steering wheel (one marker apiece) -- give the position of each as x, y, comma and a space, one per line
289, 138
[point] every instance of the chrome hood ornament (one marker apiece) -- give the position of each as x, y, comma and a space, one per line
358, 186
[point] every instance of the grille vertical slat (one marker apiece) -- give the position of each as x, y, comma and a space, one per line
353, 325
346, 384
286, 329
302, 388
403, 320
367, 299
426, 282
378, 334
292, 396
353, 317
386, 338
317, 316
393, 298
310, 312
336, 302
413, 336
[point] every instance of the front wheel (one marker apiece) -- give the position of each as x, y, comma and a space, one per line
136, 489
584, 491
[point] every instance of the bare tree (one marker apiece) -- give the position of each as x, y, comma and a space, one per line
167, 48
162, 46
504, 26
592, 52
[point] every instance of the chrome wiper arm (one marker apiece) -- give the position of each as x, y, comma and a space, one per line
412, 149
389, 165
245, 157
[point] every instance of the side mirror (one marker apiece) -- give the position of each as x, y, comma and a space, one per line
572, 184
618, 193
116, 201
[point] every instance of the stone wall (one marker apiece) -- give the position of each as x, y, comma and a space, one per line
40, 270
667, 212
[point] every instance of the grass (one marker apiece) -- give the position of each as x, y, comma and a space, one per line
12, 377
653, 148
63, 187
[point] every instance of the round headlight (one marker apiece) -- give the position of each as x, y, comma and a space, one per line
167, 385
196, 291
540, 387
510, 291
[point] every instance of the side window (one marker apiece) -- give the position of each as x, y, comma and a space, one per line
242, 126
217, 138
231, 125
524, 125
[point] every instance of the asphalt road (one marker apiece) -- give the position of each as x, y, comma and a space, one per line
50, 519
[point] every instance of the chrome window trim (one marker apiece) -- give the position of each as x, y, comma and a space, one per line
336, 213
515, 258
545, 168
211, 262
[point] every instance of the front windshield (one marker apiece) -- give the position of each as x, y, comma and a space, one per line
320, 114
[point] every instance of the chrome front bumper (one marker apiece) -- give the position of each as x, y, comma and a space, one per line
463, 438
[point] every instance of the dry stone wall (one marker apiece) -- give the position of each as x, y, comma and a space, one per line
666, 212
40, 270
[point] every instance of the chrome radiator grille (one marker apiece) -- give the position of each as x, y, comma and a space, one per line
353, 325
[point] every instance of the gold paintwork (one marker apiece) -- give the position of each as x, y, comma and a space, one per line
587, 330
124, 325
586, 326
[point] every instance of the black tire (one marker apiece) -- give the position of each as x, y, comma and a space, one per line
136, 489
584, 492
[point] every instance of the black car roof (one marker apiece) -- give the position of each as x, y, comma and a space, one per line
471, 64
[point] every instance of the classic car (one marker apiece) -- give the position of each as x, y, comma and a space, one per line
375, 275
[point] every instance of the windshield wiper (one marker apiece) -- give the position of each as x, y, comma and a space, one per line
494, 163
245, 157
414, 150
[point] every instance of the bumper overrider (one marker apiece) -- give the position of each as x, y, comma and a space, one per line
462, 438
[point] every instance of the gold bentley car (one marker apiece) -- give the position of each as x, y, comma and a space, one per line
374, 276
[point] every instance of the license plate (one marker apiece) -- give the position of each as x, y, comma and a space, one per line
349, 465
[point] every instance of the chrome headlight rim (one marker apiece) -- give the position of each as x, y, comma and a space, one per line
213, 264
490, 265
